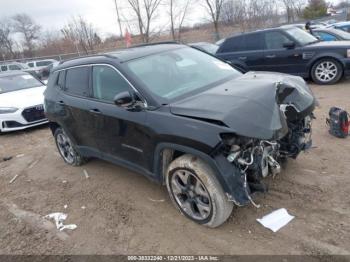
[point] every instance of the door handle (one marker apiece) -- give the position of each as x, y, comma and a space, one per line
242, 58
270, 56
61, 103
95, 111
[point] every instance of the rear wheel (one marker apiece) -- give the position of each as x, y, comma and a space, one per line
66, 149
195, 191
326, 71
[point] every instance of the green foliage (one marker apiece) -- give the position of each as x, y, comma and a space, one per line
315, 9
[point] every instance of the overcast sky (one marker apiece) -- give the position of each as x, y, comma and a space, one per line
54, 14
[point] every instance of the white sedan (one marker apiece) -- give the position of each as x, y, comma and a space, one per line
21, 101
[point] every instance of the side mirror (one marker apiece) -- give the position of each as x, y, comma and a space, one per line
124, 99
289, 45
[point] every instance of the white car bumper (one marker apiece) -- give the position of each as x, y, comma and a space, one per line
22, 119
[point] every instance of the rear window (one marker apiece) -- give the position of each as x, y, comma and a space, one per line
249, 42
77, 81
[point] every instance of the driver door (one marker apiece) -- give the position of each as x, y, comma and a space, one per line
281, 59
120, 134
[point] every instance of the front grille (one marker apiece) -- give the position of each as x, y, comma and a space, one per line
33, 114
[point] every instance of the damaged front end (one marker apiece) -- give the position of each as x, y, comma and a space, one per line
255, 158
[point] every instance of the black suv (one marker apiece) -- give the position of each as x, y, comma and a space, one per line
288, 50
182, 118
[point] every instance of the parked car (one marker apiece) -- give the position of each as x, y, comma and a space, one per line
21, 101
38, 66
184, 119
13, 66
331, 34
345, 26
206, 47
289, 50
41, 63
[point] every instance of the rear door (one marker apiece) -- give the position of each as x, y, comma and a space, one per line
281, 59
77, 118
245, 50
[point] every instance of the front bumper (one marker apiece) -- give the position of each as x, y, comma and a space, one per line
22, 119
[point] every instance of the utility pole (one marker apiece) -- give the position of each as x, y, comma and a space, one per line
118, 17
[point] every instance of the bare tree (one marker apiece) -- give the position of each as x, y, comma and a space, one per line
25, 25
233, 12
82, 33
214, 8
145, 12
6, 42
118, 18
177, 14
293, 9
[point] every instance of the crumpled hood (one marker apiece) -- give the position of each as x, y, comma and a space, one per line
23, 98
250, 104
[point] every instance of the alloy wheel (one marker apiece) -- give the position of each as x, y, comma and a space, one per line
190, 194
326, 71
65, 147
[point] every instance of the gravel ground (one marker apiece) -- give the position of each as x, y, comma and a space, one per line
120, 212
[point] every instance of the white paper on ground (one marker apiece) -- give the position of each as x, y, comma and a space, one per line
276, 220
59, 218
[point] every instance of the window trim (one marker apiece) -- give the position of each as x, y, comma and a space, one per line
90, 84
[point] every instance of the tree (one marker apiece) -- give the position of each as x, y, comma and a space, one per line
6, 42
214, 8
315, 9
145, 12
118, 18
177, 14
25, 25
83, 33
293, 9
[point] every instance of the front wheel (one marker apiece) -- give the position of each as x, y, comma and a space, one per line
326, 71
195, 191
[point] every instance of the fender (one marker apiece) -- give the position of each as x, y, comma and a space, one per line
229, 177
336, 56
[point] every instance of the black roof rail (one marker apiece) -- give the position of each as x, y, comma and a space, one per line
86, 56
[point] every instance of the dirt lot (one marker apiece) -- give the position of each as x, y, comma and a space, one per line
125, 213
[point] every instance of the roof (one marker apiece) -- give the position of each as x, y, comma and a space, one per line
122, 55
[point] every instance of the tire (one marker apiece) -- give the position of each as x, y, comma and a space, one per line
66, 149
332, 74
210, 207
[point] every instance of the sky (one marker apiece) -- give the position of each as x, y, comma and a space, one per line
54, 14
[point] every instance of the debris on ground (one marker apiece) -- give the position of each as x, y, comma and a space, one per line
64, 181
276, 220
65, 206
20, 155
156, 200
13, 179
33, 164
59, 219
338, 122
83, 207
7, 158
86, 174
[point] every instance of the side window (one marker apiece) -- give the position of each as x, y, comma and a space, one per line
61, 79
107, 83
3, 68
253, 42
275, 40
31, 64
43, 63
325, 36
14, 67
77, 81
233, 44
